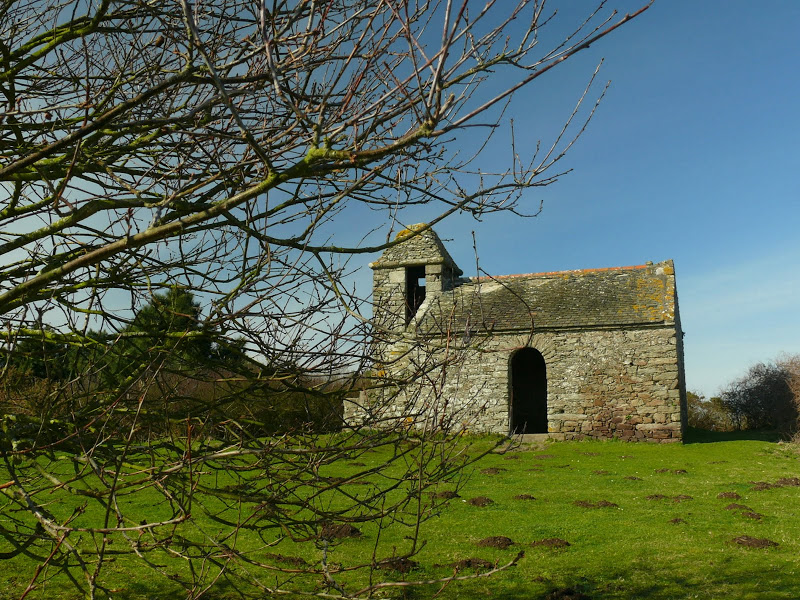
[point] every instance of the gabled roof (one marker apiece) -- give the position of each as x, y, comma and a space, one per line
420, 246
591, 298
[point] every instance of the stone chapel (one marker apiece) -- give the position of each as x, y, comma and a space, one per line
593, 353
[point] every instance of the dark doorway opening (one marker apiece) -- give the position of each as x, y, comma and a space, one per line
415, 290
528, 392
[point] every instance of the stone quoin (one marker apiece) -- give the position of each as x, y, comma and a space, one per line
595, 353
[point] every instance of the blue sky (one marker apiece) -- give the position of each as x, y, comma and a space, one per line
693, 155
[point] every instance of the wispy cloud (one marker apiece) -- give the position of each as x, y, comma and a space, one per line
740, 314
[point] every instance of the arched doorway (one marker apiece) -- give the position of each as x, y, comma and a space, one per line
528, 392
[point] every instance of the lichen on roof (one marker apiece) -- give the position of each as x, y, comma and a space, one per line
416, 245
621, 296
410, 230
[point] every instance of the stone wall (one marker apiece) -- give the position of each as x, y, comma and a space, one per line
613, 383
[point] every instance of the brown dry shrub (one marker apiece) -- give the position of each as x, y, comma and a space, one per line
767, 397
21, 393
708, 414
790, 364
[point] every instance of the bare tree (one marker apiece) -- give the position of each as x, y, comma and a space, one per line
790, 365
222, 149
764, 398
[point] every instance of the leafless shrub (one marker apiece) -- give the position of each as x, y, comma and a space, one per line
790, 364
762, 399
710, 415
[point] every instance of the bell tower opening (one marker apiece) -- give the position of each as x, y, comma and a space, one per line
415, 290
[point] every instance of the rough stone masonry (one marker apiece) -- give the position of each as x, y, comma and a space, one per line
592, 353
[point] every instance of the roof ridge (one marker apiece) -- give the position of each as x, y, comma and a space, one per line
567, 272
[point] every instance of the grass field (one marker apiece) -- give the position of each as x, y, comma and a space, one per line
642, 521
598, 520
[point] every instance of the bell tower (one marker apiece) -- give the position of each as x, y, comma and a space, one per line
409, 275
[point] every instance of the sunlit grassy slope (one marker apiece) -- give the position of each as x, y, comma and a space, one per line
640, 520
670, 534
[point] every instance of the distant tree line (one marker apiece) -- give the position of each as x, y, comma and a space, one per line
168, 329
767, 397
167, 354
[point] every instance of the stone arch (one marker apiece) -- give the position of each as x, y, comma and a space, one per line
544, 343
527, 392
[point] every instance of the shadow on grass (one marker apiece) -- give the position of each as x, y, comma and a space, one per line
703, 436
733, 580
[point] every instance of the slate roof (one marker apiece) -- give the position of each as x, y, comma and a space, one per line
421, 247
591, 298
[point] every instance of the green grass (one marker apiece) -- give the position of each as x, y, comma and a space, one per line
632, 550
